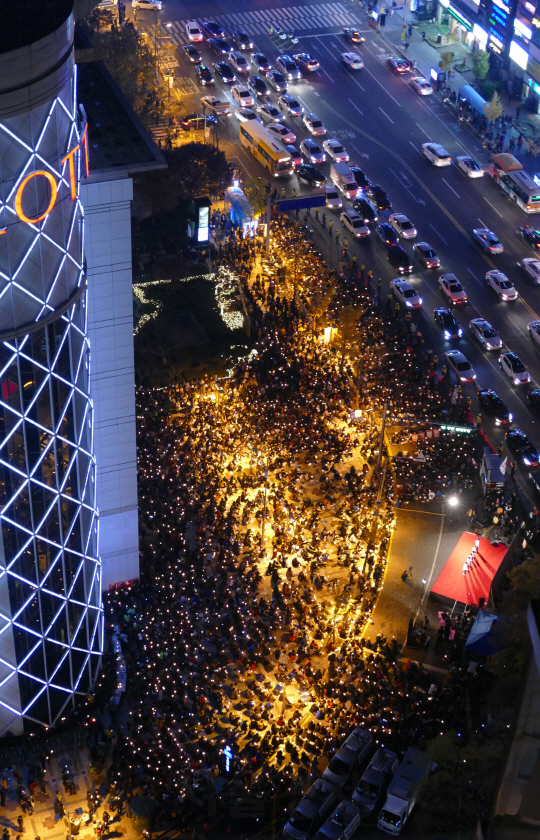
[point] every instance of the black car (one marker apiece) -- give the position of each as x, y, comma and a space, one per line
494, 406
379, 197
260, 62
447, 322
220, 46
387, 234
224, 72
426, 255
353, 35
398, 65
359, 177
212, 29
195, 122
518, 443
531, 237
204, 75
192, 53
399, 259
366, 209
533, 397
312, 175
242, 40
257, 86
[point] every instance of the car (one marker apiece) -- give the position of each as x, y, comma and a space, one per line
469, 166
387, 234
518, 443
399, 258
533, 397
246, 115
204, 75
354, 223
314, 124
436, 154
288, 103
366, 209
152, 5
306, 62
294, 153
224, 72
242, 40
398, 65
277, 80
270, 112
446, 320
281, 132
534, 331
212, 29
500, 283
488, 241
257, 86
260, 63
379, 197
307, 172
353, 35
421, 86
192, 53
217, 106
239, 62
335, 150
196, 122
359, 176
288, 66
452, 289
492, 404
352, 61
405, 294
531, 266
426, 255
193, 31
333, 198
531, 237
513, 367
312, 152
403, 226
460, 365
487, 335
220, 46
242, 95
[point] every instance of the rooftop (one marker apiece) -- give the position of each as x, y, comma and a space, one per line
27, 21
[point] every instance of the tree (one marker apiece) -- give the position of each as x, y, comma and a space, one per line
480, 64
447, 59
255, 192
348, 327
494, 108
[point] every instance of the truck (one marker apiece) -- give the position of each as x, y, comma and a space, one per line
376, 778
491, 474
342, 176
314, 807
342, 824
215, 105
403, 791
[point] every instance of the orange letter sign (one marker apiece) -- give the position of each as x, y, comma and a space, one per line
18, 197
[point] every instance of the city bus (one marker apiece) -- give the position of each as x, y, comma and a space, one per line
265, 148
508, 173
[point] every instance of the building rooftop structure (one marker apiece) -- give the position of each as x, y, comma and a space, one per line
28, 21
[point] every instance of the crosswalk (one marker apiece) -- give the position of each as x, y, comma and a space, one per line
295, 19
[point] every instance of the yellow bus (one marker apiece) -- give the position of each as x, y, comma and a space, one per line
265, 148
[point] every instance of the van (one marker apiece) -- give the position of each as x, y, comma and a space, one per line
377, 776
312, 809
342, 824
193, 31
352, 753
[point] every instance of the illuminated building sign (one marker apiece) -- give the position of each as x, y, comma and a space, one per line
533, 68
498, 17
519, 55
459, 17
480, 35
501, 5
530, 8
522, 29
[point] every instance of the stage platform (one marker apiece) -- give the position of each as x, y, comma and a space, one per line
452, 585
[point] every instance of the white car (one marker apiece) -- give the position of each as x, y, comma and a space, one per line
355, 224
534, 331
452, 289
291, 105
531, 266
460, 365
402, 226
500, 283
405, 293
314, 124
270, 113
335, 150
237, 60
246, 115
436, 154
312, 152
333, 198
469, 166
513, 367
485, 333
421, 85
154, 5
488, 241
242, 96
193, 30
281, 132
352, 61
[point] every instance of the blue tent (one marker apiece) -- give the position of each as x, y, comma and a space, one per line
484, 637
473, 98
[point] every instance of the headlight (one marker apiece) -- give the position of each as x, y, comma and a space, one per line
460, 331
510, 417
497, 422
517, 381
446, 334
526, 461
408, 303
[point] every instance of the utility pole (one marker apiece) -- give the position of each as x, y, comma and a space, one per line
268, 213
381, 441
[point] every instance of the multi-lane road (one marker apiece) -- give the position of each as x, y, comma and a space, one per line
382, 122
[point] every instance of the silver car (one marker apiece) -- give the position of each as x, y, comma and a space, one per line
291, 105
487, 335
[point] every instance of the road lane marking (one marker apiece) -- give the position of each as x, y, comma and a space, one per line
450, 188
383, 87
438, 234
356, 106
518, 327
422, 129
413, 145
493, 208
386, 115
483, 225
349, 71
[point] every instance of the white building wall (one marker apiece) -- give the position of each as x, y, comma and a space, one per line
112, 376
